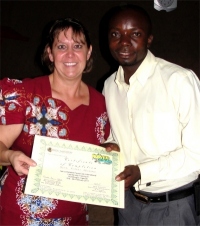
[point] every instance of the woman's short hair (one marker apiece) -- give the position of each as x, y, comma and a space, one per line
58, 26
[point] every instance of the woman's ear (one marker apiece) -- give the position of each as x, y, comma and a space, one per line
50, 54
89, 53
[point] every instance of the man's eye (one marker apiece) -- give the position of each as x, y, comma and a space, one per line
61, 46
136, 34
114, 34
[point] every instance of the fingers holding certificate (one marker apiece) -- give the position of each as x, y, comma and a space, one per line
75, 171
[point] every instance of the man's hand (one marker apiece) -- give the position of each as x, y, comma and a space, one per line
131, 175
110, 147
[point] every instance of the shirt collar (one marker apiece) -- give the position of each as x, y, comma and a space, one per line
120, 76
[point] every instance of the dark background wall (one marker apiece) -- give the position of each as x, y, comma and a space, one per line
176, 38
176, 34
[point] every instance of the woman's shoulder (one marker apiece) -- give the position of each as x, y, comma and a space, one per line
95, 93
10, 88
20, 82
26, 84
10, 82
97, 100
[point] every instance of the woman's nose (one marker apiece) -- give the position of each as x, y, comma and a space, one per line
70, 52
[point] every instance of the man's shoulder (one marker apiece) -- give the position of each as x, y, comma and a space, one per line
111, 78
166, 66
172, 70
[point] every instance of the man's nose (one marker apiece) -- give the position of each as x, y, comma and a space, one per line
125, 40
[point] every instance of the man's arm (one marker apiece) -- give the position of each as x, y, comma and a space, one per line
186, 159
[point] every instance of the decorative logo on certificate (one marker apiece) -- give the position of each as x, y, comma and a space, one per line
75, 171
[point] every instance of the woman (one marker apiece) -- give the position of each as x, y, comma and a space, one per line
59, 105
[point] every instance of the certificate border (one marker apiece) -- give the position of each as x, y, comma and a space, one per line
72, 145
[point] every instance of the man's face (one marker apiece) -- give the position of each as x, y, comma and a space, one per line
129, 38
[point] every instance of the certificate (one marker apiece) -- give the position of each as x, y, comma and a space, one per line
75, 171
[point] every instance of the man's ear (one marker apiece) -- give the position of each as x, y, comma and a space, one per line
50, 54
149, 41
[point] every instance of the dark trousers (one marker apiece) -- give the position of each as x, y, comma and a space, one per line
179, 212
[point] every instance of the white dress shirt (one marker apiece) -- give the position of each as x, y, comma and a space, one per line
156, 122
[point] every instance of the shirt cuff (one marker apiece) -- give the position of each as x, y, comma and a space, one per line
149, 171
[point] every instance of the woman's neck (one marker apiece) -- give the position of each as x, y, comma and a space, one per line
72, 92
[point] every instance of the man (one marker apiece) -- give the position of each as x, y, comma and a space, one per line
154, 111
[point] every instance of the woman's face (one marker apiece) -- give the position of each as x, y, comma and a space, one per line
69, 55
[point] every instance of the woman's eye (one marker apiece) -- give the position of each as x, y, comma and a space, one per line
61, 46
78, 46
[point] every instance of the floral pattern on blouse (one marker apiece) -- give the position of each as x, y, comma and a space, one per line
100, 126
45, 118
11, 100
35, 208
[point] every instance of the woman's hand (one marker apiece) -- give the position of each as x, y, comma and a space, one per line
17, 159
20, 162
110, 147
130, 175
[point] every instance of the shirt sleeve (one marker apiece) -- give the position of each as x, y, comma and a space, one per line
12, 101
186, 159
110, 138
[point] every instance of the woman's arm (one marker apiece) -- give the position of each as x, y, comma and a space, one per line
16, 158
